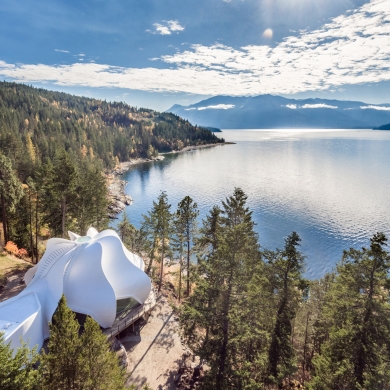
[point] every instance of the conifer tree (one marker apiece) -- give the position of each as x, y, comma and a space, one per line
126, 229
158, 227
357, 310
212, 318
17, 369
10, 191
78, 363
64, 184
99, 366
289, 285
208, 239
60, 367
89, 201
186, 224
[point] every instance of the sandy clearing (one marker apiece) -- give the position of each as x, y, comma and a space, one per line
154, 349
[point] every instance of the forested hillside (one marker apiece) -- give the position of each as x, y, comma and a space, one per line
54, 148
54, 120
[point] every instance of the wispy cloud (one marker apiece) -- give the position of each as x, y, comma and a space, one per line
62, 51
351, 49
167, 28
217, 107
320, 105
380, 108
212, 107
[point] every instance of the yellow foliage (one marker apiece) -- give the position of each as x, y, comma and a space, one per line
30, 148
84, 150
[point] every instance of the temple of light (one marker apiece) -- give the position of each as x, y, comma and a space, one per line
97, 275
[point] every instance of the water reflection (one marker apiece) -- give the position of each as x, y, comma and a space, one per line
332, 187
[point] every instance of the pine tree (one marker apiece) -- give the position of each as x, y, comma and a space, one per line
10, 191
17, 370
89, 201
98, 365
186, 226
212, 318
158, 227
76, 362
64, 184
60, 367
357, 310
289, 285
126, 229
208, 239
311, 330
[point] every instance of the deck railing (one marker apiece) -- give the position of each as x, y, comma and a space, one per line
132, 316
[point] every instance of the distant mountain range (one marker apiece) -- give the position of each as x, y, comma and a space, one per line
268, 111
384, 127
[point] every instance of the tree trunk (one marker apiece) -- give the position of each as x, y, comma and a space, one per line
161, 269
180, 261
31, 227
188, 268
151, 259
63, 216
305, 350
4, 219
36, 230
361, 365
225, 330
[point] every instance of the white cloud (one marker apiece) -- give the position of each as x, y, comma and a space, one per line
320, 105
212, 107
291, 106
174, 25
380, 108
351, 49
62, 51
161, 29
217, 107
167, 28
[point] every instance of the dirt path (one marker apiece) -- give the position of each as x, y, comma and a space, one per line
14, 269
154, 349
13, 287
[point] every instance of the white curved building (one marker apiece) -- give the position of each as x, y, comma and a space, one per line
97, 274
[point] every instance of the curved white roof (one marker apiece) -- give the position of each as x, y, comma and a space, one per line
93, 271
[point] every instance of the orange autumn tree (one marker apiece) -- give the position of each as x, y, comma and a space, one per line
11, 248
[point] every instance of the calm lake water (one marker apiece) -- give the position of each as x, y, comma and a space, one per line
332, 187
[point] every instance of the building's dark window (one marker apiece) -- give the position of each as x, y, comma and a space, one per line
125, 304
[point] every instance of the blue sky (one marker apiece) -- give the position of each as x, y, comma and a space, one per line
155, 53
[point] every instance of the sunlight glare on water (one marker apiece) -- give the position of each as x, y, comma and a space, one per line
331, 186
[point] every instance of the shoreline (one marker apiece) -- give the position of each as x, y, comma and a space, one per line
189, 148
118, 199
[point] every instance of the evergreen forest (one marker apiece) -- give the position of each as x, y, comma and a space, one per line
250, 314
54, 148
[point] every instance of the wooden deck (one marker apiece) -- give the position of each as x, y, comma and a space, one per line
127, 318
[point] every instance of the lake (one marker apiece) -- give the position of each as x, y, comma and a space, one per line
330, 186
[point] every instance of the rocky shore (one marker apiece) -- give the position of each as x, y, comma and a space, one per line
116, 187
